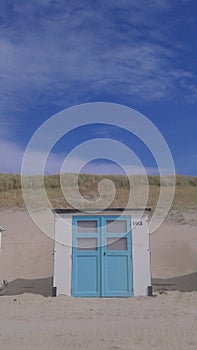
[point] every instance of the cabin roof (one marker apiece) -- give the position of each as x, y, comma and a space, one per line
92, 210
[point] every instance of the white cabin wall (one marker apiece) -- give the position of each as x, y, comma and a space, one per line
140, 255
63, 255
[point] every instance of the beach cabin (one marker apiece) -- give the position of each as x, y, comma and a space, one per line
102, 253
1, 230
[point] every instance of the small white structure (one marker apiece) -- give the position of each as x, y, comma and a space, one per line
1, 230
102, 253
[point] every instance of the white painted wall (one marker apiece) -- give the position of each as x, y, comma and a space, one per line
140, 252
63, 254
140, 255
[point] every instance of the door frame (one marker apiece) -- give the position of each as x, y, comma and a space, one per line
100, 235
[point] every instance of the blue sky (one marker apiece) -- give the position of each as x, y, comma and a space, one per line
56, 54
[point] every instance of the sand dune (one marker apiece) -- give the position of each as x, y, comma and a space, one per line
26, 251
174, 250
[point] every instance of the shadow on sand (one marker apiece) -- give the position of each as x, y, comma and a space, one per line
43, 286
185, 283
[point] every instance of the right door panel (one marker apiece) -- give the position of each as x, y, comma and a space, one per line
116, 257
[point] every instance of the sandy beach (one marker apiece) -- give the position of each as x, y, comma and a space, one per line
31, 319
32, 322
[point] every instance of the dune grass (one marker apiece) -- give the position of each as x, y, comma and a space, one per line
182, 211
11, 193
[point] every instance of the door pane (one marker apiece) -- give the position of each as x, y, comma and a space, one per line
87, 244
116, 226
85, 226
117, 244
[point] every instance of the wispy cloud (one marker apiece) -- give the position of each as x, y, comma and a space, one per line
58, 163
14, 156
10, 163
66, 52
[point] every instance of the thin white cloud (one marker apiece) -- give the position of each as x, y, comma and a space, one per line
12, 162
11, 157
66, 54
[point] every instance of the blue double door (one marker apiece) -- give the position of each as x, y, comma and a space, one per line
101, 258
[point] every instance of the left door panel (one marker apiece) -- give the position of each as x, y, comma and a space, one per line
86, 257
